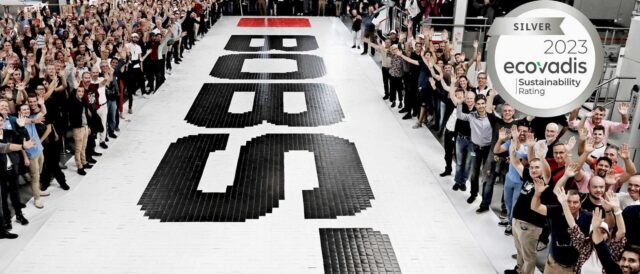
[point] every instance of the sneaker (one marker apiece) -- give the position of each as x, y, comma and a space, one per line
418, 125
103, 145
455, 187
130, 111
38, 203
503, 222
463, 187
21, 219
358, 47
482, 209
82, 172
62, 165
404, 110
91, 161
406, 116
541, 246
385, 97
364, 53
503, 213
507, 231
44, 193
87, 166
353, 47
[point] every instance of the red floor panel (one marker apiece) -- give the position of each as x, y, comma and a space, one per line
252, 22
274, 22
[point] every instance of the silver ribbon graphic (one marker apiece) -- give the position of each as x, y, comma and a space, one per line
526, 26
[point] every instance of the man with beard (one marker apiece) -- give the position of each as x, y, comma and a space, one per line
629, 263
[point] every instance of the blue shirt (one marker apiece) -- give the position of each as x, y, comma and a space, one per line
36, 150
512, 174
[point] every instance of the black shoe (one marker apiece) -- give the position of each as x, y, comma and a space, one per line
400, 105
364, 53
23, 205
113, 135
21, 219
463, 187
507, 231
82, 172
404, 110
64, 185
87, 166
353, 47
97, 154
393, 104
177, 62
504, 222
471, 199
103, 145
91, 161
7, 235
455, 187
385, 97
415, 114
511, 271
482, 209
446, 172
406, 116
44, 186
62, 166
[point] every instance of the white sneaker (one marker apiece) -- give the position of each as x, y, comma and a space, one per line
38, 203
418, 125
44, 193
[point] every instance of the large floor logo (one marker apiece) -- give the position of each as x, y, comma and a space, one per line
172, 194
544, 58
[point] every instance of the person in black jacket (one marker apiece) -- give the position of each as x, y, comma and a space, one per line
356, 25
9, 163
79, 116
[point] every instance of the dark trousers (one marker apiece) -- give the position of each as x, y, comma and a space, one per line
396, 88
9, 189
481, 154
410, 95
385, 80
449, 148
51, 166
136, 80
496, 171
175, 49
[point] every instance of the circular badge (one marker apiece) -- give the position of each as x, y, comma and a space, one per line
545, 58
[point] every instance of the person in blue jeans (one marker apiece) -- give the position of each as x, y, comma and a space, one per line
513, 181
464, 146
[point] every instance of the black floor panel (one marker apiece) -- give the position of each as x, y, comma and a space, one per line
230, 67
357, 250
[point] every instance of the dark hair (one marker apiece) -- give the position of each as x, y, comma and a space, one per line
480, 97
523, 123
633, 248
573, 192
606, 159
600, 108
599, 128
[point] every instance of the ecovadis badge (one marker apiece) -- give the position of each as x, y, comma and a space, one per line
545, 58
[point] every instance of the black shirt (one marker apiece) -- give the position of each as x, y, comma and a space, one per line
588, 205
631, 216
522, 210
560, 249
539, 124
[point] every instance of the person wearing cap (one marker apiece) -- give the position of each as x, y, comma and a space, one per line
588, 261
563, 255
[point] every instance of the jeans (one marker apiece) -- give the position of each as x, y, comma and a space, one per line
112, 115
494, 172
464, 148
481, 154
511, 193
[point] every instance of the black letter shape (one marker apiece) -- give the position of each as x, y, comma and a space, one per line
230, 67
351, 250
242, 43
210, 108
172, 195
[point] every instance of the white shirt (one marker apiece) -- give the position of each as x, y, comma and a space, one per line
626, 200
136, 52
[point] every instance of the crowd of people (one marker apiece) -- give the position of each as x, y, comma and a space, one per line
577, 196
67, 77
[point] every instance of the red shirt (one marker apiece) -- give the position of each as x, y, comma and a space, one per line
91, 95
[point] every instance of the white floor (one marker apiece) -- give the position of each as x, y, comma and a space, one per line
98, 226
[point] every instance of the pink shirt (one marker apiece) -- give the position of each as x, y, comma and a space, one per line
609, 126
